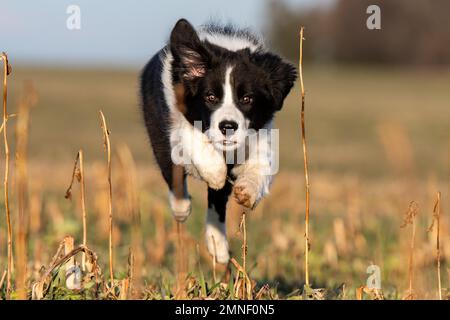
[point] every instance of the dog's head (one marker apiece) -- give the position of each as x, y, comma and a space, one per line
229, 91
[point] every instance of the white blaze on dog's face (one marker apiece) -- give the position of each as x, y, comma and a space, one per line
229, 126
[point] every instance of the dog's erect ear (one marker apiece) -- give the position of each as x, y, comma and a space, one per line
190, 56
281, 74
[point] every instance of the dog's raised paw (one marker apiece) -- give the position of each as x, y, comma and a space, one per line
245, 192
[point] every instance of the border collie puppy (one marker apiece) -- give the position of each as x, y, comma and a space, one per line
204, 96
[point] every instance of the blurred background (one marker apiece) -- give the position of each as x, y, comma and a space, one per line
378, 132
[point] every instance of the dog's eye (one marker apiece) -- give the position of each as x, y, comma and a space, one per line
210, 97
247, 100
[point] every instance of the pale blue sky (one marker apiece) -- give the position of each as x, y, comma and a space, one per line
113, 33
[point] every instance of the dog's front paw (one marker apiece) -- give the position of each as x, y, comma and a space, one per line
212, 168
215, 175
246, 192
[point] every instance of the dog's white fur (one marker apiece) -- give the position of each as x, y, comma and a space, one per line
180, 207
234, 43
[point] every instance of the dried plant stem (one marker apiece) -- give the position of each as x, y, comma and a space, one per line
438, 251
411, 257
244, 247
242, 281
130, 271
181, 263
2, 279
410, 219
68, 247
78, 172
110, 213
305, 159
40, 287
29, 100
244, 284
214, 259
124, 288
436, 219
6, 72
72, 280
83, 208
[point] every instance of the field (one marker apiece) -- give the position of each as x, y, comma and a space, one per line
378, 139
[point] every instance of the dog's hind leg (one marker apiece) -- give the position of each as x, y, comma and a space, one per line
179, 199
216, 237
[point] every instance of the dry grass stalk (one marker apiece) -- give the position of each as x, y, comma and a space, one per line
436, 219
243, 228
107, 145
78, 173
6, 72
448, 276
264, 291
68, 246
410, 219
124, 288
130, 185
305, 159
130, 270
243, 287
359, 293
73, 273
83, 207
181, 263
214, 260
2, 279
373, 293
25, 104
201, 280
40, 287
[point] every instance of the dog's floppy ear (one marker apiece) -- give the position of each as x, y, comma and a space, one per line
281, 75
190, 56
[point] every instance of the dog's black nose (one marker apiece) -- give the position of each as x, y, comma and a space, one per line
228, 127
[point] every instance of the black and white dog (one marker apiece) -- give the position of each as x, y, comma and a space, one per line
204, 96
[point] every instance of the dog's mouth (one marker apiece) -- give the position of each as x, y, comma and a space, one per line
226, 144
